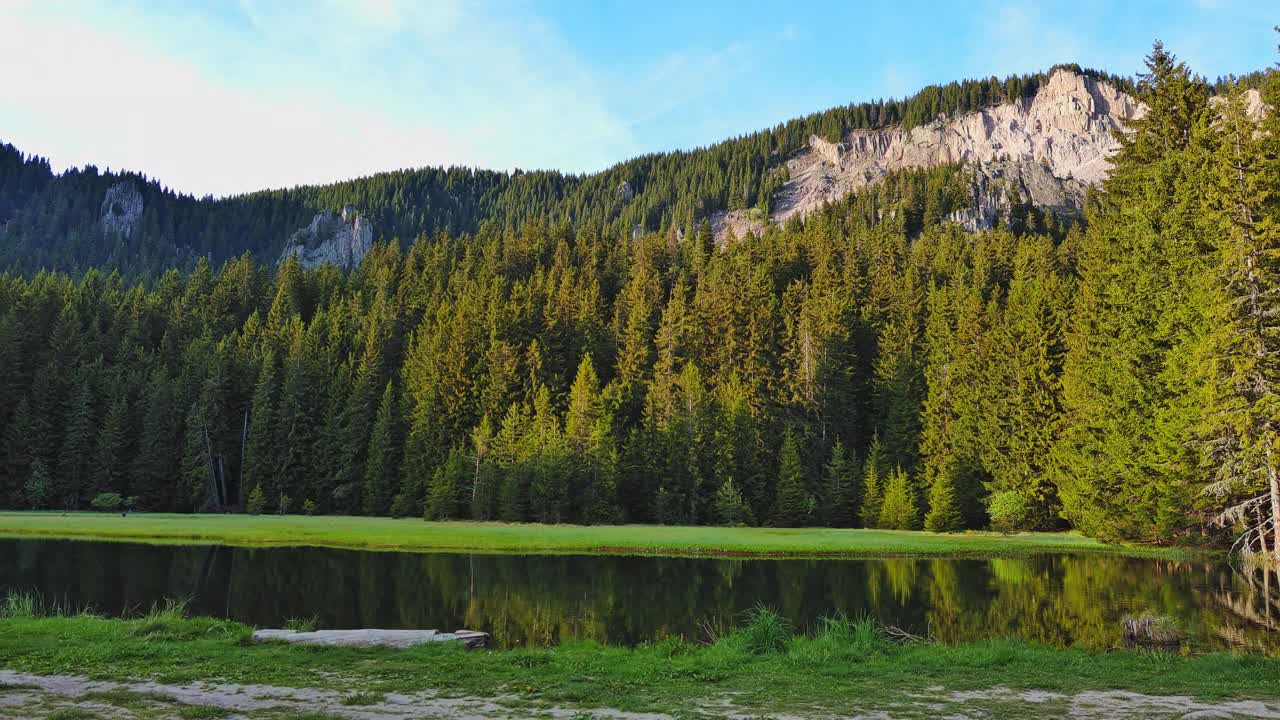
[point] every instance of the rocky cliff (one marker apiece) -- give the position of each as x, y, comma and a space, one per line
1048, 147
121, 209
342, 239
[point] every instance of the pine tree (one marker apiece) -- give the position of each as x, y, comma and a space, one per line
111, 449
944, 511
872, 478
791, 503
38, 486
839, 488
262, 453
898, 511
77, 444
153, 482
380, 470
731, 510
1124, 465
1240, 433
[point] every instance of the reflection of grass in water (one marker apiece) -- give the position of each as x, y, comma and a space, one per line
846, 664
386, 533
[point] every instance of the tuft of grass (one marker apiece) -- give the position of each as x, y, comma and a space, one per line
363, 698
202, 712
766, 632
126, 698
73, 714
163, 621
20, 605
307, 624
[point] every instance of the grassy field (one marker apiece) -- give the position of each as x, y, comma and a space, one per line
416, 535
848, 667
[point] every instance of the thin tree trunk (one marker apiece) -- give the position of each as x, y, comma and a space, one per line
1274, 477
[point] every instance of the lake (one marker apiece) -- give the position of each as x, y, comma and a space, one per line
1063, 600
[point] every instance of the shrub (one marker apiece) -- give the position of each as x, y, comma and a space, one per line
401, 506
1008, 511
256, 502
37, 487
308, 507
283, 507
107, 502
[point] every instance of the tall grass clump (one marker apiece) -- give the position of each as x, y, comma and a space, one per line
20, 605
164, 621
30, 605
765, 633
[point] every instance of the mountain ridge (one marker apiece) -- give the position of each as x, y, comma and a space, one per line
61, 221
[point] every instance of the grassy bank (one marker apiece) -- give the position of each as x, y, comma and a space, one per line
416, 535
761, 668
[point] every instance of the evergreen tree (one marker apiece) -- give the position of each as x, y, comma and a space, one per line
380, 470
38, 487
791, 505
1240, 431
839, 489
944, 510
731, 510
898, 511
872, 480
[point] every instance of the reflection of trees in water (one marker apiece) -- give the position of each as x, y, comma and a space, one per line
1061, 600
1251, 609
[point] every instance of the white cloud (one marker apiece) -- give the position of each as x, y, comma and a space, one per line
337, 91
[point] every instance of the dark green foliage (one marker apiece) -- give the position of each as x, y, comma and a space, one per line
256, 503
791, 503
839, 489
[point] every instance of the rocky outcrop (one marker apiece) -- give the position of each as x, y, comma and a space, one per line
121, 209
341, 239
1049, 148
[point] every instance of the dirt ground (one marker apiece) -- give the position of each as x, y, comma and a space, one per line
61, 697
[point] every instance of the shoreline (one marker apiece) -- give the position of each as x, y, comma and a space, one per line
848, 667
413, 535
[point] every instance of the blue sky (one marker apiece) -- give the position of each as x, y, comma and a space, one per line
225, 97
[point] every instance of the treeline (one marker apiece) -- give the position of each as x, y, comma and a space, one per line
53, 222
872, 365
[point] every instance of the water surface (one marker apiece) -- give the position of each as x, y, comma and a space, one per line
1064, 600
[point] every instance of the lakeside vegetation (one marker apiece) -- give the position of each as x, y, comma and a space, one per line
758, 667
410, 534
374, 533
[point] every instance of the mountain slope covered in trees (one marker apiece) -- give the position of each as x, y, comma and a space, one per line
67, 222
867, 366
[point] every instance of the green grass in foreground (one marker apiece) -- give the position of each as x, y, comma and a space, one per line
416, 535
759, 668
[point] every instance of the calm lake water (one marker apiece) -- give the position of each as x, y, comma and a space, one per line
1058, 599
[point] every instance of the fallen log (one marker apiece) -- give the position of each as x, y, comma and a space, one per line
374, 638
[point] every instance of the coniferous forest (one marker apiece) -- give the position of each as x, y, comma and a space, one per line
869, 366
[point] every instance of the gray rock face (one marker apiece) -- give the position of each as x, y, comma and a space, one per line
1048, 147
121, 209
341, 239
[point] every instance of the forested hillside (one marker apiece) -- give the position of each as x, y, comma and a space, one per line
61, 222
868, 366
